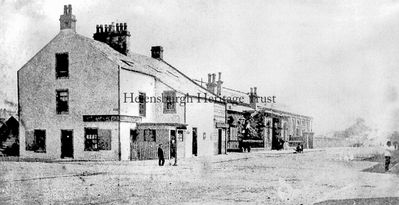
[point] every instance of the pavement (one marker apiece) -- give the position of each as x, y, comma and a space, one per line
320, 176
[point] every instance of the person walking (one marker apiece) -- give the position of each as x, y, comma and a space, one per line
388, 154
160, 156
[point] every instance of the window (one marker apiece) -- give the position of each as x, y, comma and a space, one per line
97, 139
91, 139
61, 65
142, 104
169, 102
39, 144
149, 135
62, 101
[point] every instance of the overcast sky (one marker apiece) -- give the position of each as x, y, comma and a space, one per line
333, 60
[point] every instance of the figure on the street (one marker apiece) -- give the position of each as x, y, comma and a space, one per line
299, 148
388, 154
160, 156
173, 153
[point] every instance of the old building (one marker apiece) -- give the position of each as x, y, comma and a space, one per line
86, 98
277, 126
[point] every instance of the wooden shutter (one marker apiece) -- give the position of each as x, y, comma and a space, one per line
29, 140
104, 139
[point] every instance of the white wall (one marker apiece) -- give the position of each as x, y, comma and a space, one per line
133, 82
93, 90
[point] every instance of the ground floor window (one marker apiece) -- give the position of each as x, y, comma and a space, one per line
97, 139
35, 141
150, 135
91, 139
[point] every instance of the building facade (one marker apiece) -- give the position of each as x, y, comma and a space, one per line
281, 129
91, 99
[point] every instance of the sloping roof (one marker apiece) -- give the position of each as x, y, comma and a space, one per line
159, 69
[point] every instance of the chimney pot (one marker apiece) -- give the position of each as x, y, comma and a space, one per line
251, 91
125, 26
220, 76
157, 52
213, 77
209, 78
114, 37
254, 90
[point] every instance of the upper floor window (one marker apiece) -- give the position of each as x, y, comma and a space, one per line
142, 104
61, 65
169, 104
62, 99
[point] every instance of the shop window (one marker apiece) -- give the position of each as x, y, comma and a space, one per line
91, 139
36, 141
97, 139
62, 65
150, 135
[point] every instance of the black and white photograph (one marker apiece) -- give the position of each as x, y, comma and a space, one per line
199, 102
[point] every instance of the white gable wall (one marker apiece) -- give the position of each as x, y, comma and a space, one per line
93, 90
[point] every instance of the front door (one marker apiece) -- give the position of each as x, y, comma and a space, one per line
195, 151
66, 143
219, 141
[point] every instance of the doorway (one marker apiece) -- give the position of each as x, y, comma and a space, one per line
66, 143
195, 146
219, 141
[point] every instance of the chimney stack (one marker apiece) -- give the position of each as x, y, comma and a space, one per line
157, 52
117, 38
68, 20
219, 84
211, 85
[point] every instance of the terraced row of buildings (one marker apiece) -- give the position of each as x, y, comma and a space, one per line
93, 98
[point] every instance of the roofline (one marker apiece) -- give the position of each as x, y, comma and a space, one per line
184, 75
288, 113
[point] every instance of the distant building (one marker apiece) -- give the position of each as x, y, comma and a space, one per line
94, 99
278, 125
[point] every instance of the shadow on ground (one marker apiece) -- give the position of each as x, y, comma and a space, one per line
361, 201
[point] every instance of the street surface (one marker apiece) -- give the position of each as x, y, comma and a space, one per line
332, 176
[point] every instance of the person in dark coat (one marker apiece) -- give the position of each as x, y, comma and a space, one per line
160, 155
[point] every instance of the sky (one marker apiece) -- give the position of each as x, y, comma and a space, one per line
334, 60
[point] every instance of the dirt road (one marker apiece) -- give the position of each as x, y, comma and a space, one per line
237, 178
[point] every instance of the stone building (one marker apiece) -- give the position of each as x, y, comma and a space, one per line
86, 98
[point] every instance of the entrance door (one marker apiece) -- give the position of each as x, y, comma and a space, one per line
134, 151
219, 141
66, 143
195, 148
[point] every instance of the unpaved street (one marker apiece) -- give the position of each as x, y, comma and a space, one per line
237, 178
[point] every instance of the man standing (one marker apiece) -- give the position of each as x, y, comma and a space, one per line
160, 155
388, 154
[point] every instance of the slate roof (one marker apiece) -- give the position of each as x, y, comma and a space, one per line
159, 69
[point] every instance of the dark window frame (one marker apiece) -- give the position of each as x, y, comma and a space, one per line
169, 105
59, 107
91, 139
39, 145
61, 67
